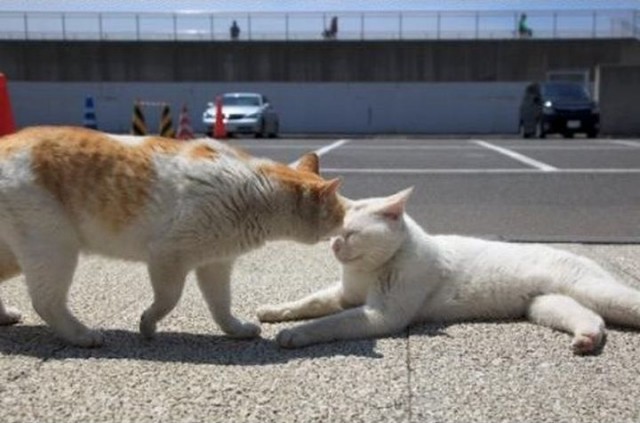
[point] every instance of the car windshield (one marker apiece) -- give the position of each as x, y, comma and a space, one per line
565, 92
241, 100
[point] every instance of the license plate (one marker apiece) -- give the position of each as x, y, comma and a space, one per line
573, 124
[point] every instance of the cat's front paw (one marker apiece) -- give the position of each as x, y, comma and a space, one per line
244, 330
10, 316
147, 326
88, 339
291, 338
272, 314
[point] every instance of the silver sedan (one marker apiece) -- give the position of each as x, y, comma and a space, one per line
244, 113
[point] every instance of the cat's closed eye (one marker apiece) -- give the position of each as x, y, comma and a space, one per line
348, 234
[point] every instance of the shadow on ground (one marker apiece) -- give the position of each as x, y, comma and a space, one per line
39, 342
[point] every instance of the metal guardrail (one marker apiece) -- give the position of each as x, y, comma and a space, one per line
400, 25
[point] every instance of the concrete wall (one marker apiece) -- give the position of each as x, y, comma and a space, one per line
417, 87
421, 108
319, 61
618, 89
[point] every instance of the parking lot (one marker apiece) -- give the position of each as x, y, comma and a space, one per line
552, 190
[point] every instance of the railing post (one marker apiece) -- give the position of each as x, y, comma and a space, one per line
64, 27
477, 25
26, 26
211, 32
286, 26
438, 25
594, 32
400, 26
555, 24
101, 34
249, 26
175, 27
137, 27
362, 26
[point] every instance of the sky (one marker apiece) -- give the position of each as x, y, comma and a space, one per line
306, 5
414, 20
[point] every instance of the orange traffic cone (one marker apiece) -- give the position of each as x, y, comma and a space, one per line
219, 130
185, 132
7, 124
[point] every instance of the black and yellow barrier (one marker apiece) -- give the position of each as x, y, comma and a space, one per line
138, 125
166, 124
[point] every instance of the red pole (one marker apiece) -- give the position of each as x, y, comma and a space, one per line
7, 124
219, 131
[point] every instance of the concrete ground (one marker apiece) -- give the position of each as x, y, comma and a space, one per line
472, 372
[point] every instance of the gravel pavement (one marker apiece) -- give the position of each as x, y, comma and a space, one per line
472, 372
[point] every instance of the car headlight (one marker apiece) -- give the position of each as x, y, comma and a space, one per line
547, 107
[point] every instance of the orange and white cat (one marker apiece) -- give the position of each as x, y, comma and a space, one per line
176, 206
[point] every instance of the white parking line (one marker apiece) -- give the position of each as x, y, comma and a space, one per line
324, 150
517, 156
355, 146
479, 171
626, 142
605, 147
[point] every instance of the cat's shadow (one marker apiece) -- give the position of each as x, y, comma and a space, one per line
39, 342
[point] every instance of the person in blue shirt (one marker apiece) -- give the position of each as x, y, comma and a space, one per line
523, 28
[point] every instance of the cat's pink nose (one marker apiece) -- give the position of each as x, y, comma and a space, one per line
336, 244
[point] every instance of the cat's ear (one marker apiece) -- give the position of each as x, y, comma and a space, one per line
395, 205
330, 188
309, 163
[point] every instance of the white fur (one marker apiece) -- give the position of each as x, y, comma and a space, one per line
395, 274
202, 215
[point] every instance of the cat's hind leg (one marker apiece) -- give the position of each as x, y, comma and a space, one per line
48, 268
214, 282
8, 268
566, 314
617, 303
320, 303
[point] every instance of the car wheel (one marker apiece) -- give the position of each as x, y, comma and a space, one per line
592, 134
276, 130
263, 129
523, 132
568, 134
539, 130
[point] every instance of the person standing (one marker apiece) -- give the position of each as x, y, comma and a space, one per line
234, 30
523, 28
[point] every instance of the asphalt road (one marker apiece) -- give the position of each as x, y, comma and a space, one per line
509, 371
551, 190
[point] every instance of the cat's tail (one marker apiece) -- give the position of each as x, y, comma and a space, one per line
616, 302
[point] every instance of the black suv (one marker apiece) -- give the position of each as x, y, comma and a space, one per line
558, 107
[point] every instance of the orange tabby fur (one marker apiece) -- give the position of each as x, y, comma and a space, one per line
186, 205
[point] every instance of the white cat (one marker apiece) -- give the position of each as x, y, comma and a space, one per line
177, 206
394, 274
